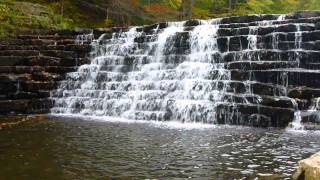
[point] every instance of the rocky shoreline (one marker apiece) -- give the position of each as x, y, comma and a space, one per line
7, 122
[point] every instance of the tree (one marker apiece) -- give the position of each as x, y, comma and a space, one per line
218, 6
61, 7
186, 9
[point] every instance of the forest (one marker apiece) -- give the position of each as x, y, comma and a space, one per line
106, 13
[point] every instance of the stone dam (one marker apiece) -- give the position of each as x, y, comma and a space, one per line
254, 70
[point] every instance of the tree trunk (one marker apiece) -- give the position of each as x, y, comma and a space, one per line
190, 8
61, 7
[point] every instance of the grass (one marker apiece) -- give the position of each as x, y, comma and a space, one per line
14, 15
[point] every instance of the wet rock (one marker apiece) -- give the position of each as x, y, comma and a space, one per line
303, 104
304, 14
239, 114
181, 39
149, 29
19, 53
33, 86
317, 26
59, 69
309, 168
259, 65
311, 118
24, 106
31, 64
6, 87
192, 22
303, 92
273, 102
265, 30
239, 31
224, 32
286, 28
223, 44
241, 19
267, 89
22, 95
234, 44
311, 36
282, 77
240, 75
258, 120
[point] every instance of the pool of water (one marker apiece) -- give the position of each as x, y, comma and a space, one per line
75, 148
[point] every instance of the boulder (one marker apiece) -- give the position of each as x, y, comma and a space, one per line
309, 169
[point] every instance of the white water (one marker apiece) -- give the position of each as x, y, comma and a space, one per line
160, 89
296, 124
154, 80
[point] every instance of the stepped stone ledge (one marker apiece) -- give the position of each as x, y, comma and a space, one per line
268, 82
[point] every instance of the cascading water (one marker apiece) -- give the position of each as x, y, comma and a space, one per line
182, 73
296, 124
148, 84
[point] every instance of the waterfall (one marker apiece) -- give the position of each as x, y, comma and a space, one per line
298, 37
252, 37
208, 71
84, 38
148, 84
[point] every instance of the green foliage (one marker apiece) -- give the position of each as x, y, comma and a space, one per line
108, 22
105, 13
16, 15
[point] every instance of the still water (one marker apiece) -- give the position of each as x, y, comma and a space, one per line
75, 148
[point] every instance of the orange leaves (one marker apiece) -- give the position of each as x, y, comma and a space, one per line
135, 3
158, 8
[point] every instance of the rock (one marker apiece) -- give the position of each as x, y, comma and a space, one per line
267, 89
149, 29
181, 39
286, 28
309, 169
311, 36
12, 121
311, 118
192, 22
275, 102
282, 77
31, 64
241, 19
265, 30
317, 26
259, 65
239, 31
303, 92
242, 114
258, 120
304, 14
224, 32
25, 106
7, 87
223, 44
